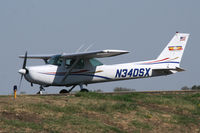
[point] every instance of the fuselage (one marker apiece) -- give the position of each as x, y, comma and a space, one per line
52, 75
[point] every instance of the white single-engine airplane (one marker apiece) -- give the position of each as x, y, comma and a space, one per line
83, 69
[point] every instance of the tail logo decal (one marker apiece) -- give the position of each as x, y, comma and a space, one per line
175, 48
182, 38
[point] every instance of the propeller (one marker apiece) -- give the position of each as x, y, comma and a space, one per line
23, 71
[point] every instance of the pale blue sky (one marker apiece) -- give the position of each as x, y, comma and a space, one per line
143, 27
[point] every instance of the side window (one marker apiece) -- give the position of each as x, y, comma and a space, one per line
59, 62
69, 62
95, 62
79, 65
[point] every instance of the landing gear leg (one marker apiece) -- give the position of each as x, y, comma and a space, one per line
41, 90
83, 89
72, 88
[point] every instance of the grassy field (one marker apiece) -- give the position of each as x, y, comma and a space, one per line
93, 112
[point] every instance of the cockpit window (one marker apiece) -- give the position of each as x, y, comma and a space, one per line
95, 62
55, 60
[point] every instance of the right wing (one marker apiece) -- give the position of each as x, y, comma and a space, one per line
95, 54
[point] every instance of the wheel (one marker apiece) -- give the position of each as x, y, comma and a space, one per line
39, 92
84, 90
63, 91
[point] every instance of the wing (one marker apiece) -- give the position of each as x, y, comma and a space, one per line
45, 57
95, 54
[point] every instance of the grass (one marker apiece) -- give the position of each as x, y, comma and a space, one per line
94, 112
141, 125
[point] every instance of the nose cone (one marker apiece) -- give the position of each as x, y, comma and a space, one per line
22, 71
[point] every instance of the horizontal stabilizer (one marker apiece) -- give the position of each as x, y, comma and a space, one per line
178, 69
166, 71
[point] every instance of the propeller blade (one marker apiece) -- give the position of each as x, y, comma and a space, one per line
23, 67
20, 81
25, 59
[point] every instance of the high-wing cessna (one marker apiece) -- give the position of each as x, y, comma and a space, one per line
83, 68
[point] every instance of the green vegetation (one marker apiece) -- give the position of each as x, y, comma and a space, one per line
118, 89
194, 87
95, 112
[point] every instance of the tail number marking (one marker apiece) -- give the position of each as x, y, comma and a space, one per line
137, 72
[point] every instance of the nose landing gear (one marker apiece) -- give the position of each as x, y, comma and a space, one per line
41, 90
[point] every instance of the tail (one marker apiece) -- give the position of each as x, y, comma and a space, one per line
173, 52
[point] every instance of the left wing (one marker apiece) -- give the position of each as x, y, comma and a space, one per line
45, 57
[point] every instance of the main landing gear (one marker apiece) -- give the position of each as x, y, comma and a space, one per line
83, 89
64, 91
68, 91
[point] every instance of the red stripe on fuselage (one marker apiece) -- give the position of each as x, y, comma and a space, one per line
81, 71
156, 61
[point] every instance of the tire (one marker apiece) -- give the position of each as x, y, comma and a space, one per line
63, 91
39, 92
84, 90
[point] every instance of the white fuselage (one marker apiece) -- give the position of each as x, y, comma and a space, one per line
52, 75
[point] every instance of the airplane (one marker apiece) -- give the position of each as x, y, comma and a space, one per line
83, 68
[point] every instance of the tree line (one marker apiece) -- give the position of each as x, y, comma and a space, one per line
194, 87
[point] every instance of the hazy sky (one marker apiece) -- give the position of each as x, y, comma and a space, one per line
143, 27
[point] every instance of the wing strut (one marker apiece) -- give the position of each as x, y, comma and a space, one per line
70, 69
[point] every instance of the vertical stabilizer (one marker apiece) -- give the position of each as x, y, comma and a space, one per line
175, 48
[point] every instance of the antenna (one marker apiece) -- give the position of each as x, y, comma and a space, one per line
89, 47
78, 50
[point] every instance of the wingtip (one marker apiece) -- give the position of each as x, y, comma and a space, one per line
21, 56
113, 50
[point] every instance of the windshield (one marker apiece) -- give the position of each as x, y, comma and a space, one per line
55, 60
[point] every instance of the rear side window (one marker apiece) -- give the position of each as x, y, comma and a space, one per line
95, 62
